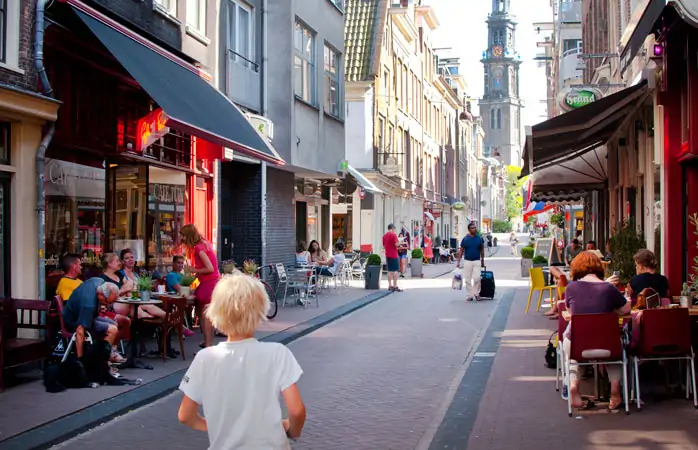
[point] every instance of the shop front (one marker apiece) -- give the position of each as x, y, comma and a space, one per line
135, 148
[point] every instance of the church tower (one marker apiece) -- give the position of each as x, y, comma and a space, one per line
500, 106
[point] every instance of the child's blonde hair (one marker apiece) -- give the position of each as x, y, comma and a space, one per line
238, 303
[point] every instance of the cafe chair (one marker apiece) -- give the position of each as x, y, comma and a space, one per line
665, 335
595, 340
538, 284
67, 335
560, 369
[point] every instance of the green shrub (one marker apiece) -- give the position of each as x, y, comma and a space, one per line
540, 259
417, 253
501, 226
557, 219
625, 242
527, 253
373, 260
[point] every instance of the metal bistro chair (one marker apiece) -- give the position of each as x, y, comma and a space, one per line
67, 335
285, 283
596, 339
665, 335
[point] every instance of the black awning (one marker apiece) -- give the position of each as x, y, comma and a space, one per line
576, 133
639, 28
192, 104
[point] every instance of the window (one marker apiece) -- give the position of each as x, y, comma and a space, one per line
386, 86
338, 3
381, 129
3, 30
499, 119
196, 15
168, 6
9, 34
4, 236
304, 64
5, 143
492, 122
569, 44
241, 34
332, 85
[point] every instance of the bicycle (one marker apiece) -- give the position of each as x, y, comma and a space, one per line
273, 303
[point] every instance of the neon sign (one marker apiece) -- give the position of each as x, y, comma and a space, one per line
151, 128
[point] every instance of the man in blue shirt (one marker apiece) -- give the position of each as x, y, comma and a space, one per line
82, 312
472, 250
173, 278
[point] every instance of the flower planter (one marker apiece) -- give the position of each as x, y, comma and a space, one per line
145, 296
525, 265
185, 290
416, 268
372, 277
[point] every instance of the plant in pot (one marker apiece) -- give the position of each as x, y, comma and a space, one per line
372, 273
557, 219
625, 242
249, 266
185, 284
144, 285
526, 260
539, 261
416, 264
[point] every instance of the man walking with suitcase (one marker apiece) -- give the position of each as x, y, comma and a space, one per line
472, 250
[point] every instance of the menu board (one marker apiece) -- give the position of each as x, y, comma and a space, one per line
543, 248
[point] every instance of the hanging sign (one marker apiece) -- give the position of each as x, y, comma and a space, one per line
362, 193
151, 128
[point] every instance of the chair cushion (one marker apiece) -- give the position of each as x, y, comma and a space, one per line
596, 354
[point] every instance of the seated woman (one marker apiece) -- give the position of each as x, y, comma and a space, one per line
588, 293
328, 268
645, 266
302, 254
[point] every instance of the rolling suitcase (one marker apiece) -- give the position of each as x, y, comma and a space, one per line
486, 283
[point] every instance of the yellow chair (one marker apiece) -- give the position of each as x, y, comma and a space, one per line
538, 284
561, 291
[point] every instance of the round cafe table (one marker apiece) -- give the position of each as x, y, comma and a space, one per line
133, 362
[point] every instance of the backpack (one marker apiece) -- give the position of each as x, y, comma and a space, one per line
551, 353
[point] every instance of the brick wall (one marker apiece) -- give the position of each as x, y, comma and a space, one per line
241, 211
281, 218
27, 80
143, 16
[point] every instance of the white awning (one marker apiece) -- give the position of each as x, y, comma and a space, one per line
429, 215
363, 181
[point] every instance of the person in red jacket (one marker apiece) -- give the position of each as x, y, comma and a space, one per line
391, 244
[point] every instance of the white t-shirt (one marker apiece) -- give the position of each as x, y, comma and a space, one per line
238, 384
338, 259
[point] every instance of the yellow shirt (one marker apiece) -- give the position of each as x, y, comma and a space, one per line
66, 286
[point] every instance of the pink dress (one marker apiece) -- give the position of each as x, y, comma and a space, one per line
208, 281
428, 250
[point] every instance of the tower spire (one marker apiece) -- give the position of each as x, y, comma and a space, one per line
501, 6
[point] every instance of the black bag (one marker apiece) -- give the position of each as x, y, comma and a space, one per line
551, 353
486, 283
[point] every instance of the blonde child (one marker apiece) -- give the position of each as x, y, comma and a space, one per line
238, 381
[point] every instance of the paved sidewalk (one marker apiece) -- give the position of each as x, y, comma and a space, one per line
521, 410
28, 405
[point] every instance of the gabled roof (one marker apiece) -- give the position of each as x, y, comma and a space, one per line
363, 34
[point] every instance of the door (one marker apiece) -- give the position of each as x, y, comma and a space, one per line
4, 235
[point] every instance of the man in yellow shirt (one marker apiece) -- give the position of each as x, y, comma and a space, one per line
72, 268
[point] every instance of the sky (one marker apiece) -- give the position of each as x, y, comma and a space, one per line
463, 29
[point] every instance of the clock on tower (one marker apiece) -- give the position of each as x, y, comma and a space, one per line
497, 51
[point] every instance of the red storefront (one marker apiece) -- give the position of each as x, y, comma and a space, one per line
138, 133
675, 27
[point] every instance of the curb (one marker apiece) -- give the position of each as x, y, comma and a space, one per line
63, 428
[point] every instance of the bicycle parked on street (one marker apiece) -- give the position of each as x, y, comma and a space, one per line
273, 303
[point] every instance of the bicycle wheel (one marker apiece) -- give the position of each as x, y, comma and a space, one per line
273, 304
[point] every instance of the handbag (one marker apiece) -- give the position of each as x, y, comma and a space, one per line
551, 353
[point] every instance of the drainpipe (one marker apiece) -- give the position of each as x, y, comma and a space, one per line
265, 112
41, 150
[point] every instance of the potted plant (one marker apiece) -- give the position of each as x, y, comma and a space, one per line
372, 273
557, 219
625, 242
144, 285
185, 284
249, 266
416, 263
526, 260
539, 261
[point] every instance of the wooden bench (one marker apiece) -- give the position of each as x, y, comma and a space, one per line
16, 350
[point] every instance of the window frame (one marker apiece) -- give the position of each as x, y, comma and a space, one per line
6, 143
339, 4
200, 26
234, 51
328, 77
10, 35
311, 62
170, 8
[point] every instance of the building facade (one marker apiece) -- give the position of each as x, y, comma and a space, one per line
403, 130
501, 104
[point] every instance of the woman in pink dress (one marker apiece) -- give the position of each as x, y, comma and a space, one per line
428, 247
206, 270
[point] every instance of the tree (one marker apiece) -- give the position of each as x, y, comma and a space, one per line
514, 197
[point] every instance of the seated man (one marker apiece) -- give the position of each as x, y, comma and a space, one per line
72, 268
329, 268
82, 311
173, 278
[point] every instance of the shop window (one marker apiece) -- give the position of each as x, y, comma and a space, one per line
75, 216
167, 208
174, 148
